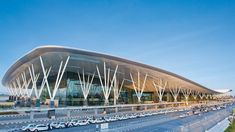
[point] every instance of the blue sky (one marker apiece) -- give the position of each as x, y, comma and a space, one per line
192, 38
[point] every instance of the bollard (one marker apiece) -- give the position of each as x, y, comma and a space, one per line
96, 111
132, 108
116, 109
68, 113
31, 115
145, 107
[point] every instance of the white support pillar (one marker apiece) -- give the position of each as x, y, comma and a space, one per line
19, 86
26, 84
195, 94
15, 89
34, 77
45, 77
175, 92
160, 88
201, 95
138, 89
207, 96
107, 86
85, 85
186, 93
117, 90
211, 96
43, 83
58, 79
10, 90
23, 85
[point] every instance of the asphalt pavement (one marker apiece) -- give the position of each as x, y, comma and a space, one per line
171, 122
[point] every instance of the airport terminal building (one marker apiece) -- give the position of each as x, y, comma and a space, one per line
62, 76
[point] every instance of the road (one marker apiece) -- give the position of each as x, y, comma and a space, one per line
170, 122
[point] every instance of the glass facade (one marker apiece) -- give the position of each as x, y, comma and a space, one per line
70, 93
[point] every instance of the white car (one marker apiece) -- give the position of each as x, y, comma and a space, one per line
72, 123
214, 108
108, 119
183, 115
53, 124
60, 125
83, 122
100, 120
27, 128
132, 116
40, 127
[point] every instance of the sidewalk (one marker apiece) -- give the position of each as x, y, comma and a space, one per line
220, 127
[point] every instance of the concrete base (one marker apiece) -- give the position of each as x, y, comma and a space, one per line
145, 107
38, 103
31, 115
68, 113
85, 103
116, 109
52, 104
28, 102
106, 103
96, 111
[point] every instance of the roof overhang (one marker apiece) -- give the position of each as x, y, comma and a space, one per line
127, 65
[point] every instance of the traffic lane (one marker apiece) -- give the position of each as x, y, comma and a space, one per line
175, 124
116, 124
142, 120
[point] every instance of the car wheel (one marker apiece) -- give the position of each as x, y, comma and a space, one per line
27, 130
36, 130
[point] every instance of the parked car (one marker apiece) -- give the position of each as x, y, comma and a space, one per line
82, 122
53, 124
40, 127
60, 125
71, 123
27, 127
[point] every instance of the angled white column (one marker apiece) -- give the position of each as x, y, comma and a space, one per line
211, 96
201, 95
43, 82
11, 93
160, 88
59, 76
207, 96
45, 77
20, 86
9, 88
107, 86
195, 94
175, 92
186, 93
58, 79
34, 77
85, 84
117, 90
15, 89
138, 88
26, 84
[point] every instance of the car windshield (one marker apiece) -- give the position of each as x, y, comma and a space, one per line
31, 125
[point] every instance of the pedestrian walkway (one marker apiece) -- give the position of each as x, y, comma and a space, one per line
220, 127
